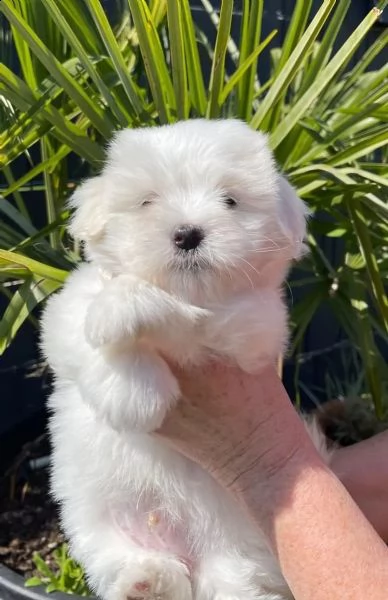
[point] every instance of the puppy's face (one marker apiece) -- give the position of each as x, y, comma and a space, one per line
195, 205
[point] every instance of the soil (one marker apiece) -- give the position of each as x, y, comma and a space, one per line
28, 516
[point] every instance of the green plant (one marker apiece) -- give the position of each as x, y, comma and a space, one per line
67, 577
326, 122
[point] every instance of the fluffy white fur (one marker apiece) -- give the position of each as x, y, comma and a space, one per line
140, 293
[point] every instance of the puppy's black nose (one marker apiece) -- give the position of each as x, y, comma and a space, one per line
188, 237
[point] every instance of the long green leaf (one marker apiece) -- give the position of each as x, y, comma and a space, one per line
72, 88
64, 130
154, 61
158, 11
238, 74
194, 69
366, 249
288, 72
17, 218
111, 45
295, 29
244, 52
322, 81
31, 293
357, 326
86, 62
383, 181
218, 64
52, 209
213, 14
252, 18
303, 312
48, 164
299, 19
325, 46
342, 126
12, 260
363, 148
25, 58
353, 77
177, 48
8, 174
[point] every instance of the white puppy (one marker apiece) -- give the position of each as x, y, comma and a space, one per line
189, 232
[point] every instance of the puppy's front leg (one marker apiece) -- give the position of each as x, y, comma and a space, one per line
126, 380
130, 309
131, 389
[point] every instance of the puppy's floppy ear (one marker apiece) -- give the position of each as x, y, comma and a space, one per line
293, 214
89, 217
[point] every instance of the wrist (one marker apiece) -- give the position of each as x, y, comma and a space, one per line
275, 450
284, 491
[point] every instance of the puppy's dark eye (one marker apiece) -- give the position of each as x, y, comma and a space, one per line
230, 202
149, 199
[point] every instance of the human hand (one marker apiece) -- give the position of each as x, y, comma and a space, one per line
229, 422
244, 431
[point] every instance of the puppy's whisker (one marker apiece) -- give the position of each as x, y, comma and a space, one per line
249, 265
263, 238
274, 245
290, 290
225, 268
264, 250
278, 249
239, 258
247, 276
229, 273
270, 240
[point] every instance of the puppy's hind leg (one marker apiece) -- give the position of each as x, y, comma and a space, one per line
148, 576
236, 577
117, 566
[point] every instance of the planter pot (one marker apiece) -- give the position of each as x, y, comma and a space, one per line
12, 588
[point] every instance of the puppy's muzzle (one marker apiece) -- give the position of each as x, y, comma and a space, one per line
188, 237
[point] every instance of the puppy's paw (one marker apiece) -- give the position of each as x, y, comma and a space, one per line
112, 317
143, 311
193, 316
132, 389
187, 320
120, 311
153, 578
103, 323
